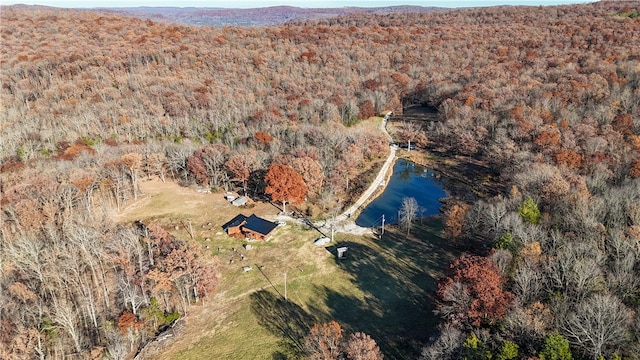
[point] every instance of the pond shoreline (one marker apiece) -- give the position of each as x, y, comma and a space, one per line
408, 180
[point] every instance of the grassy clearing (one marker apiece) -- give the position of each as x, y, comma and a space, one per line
384, 287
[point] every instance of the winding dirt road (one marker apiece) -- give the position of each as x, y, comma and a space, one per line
345, 222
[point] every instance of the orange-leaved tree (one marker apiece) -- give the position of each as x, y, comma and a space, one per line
328, 341
324, 341
285, 184
473, 293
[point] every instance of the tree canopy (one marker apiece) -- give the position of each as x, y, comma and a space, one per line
284, 184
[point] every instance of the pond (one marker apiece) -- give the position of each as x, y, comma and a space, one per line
408, 180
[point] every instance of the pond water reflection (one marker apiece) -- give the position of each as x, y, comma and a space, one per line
408, 180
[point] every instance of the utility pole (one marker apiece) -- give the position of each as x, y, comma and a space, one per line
382, 225
285, 286
333, 224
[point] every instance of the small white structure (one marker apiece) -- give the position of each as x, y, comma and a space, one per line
322, 241
242, 200
247, 268
341, 252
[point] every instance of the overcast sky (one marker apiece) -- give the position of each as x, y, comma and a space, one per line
266, 3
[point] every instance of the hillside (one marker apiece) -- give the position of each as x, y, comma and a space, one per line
266, 16
548, 98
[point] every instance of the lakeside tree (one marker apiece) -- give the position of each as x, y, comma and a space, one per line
408, 213
454, 219
284, 184
409, 131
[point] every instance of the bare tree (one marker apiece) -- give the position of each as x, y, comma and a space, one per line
132, 163
408, 213
156, 165
528, 324
528, 282
176, 159
445, 345
598, 325
503, 260
117, 344
409, 131
66, 316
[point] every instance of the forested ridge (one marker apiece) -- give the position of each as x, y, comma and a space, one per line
548, 97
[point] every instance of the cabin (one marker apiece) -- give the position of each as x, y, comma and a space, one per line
251, 227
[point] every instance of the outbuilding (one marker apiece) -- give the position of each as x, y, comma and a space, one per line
240, 201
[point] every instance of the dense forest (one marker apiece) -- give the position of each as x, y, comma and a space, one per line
548, 97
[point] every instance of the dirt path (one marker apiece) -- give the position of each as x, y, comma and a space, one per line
345, 222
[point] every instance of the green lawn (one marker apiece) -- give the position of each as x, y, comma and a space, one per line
384, 288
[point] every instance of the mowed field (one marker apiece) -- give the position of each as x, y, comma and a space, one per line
384, 287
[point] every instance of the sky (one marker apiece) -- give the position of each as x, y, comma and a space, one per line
298, 3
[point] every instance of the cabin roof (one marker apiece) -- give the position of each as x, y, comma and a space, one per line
236, 221
259, 225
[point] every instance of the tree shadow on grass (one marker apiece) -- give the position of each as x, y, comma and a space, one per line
398, 275
283, 319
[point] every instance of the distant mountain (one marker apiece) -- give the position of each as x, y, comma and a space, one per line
253, 17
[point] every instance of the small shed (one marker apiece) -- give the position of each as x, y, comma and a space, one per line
242, 200
322, 241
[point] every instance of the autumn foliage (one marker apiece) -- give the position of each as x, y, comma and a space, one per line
327, 341
284, 184
542, 98
454, 220
128, 322
473, 292
324, 341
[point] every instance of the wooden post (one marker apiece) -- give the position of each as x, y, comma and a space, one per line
188, 227
285, 285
